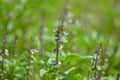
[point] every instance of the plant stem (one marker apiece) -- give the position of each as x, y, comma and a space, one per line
118, 76
13, 54
29, 59
59, 34
94, 69
57, 47
41, 39
4, 47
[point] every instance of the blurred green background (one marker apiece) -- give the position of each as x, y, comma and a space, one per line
89, 22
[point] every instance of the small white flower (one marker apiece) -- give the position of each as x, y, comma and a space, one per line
58, 64
99, 68
70, 15
34, 51
65, 33
6, 52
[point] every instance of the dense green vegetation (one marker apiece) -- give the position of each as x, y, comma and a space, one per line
59, 40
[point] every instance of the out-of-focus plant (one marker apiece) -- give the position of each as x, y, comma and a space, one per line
4, 52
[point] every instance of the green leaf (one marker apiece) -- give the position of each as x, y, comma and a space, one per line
69, 70
64, 75
42, 72
71, 58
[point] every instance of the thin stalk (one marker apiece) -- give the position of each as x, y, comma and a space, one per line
4, 47
59, 35
28, 66
57, 47
14, 45
13, 54
118, 76
29, 58
41, 38
94, 69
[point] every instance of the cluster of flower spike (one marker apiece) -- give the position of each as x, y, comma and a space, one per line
98, 49
95, 62
59, 35
4, 53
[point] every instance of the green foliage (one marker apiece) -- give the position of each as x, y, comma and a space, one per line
87, 24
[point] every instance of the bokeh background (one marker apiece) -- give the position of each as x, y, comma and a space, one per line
88, 23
